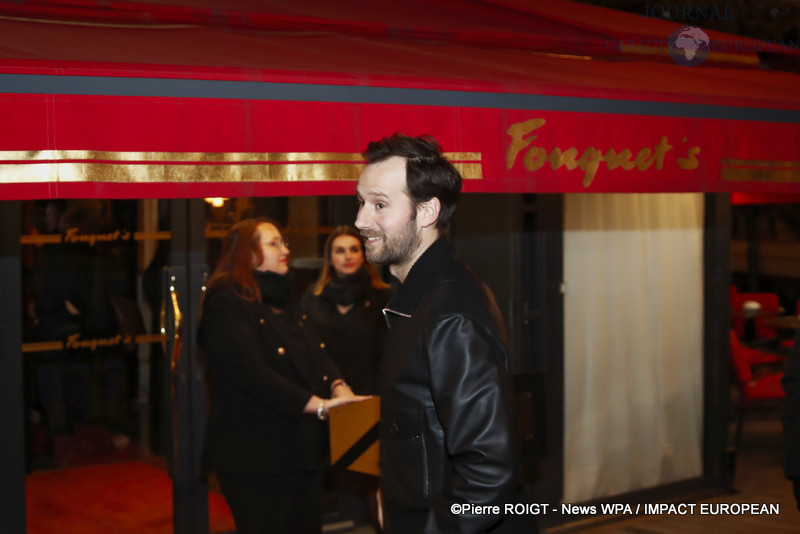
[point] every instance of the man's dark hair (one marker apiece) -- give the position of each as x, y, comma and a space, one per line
428, 173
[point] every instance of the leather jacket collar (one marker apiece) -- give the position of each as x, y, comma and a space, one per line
420, 277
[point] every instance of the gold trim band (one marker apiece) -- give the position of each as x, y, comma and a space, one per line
65, 166
210, 233
56, 156
744, 170
760, 175
40, 239
42, 346
750, 163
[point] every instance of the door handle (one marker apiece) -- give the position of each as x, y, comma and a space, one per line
185, 381
175, 356
176, 336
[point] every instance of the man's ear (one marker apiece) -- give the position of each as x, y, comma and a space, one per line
428, 212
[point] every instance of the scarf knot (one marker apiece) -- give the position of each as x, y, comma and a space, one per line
348, 289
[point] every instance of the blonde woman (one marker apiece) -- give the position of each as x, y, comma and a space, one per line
345, 308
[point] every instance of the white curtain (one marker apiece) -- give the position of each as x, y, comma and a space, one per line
633, 342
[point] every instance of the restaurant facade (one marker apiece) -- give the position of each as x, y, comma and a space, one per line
596, 205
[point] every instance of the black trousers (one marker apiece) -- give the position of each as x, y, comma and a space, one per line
274, 504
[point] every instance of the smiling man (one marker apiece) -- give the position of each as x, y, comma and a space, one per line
449, 456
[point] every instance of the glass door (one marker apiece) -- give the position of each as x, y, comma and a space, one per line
114, 398
112, 401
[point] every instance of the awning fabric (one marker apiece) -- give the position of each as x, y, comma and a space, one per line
191, 99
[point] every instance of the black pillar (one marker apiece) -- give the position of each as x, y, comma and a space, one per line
718, 459
12, 417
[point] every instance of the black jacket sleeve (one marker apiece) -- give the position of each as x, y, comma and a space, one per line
472, 393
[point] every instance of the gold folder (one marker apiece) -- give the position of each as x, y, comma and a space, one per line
354, 436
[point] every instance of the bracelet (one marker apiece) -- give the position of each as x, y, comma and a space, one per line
321, 410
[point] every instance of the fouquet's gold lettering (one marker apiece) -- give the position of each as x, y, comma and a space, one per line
690, 162
535, 157
72, 236
75, 342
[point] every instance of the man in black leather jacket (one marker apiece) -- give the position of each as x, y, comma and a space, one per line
449, 453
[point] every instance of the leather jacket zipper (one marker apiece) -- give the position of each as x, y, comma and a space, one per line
401, 314
387, 311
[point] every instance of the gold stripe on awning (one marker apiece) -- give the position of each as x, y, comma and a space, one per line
739, 170
191, 167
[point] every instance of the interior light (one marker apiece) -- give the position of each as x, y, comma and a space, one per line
216, 202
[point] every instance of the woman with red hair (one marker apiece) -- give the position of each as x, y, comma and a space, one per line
271, 385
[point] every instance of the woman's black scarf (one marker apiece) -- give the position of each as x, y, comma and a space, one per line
275, 288
348, 289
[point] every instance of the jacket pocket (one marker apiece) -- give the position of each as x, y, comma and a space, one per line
409, 475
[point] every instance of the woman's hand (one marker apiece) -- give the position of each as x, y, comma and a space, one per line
341, 389
321, 407
338, 401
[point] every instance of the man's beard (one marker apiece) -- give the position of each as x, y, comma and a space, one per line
395, 250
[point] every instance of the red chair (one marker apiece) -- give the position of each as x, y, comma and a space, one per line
763, 388
754, 356
770, 307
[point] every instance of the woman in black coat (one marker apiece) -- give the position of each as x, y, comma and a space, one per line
271, 384
345, 308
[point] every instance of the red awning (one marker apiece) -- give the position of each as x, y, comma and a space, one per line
136, 99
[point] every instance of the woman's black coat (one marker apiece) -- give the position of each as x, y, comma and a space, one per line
260, 379
355, 340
